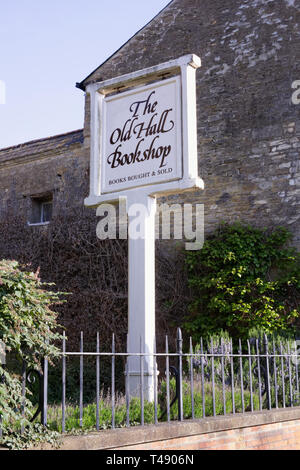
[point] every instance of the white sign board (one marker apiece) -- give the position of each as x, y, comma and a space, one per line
144, 133
141, 136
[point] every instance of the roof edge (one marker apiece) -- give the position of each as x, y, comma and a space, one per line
34, 141
81, 85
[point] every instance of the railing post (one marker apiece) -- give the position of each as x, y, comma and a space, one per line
113, 370
1, 381
258, 353
282, 376
63, 401
268, 391
241, 375
45, 392
202, 378
23, 394
290, 376
232, 376
127, 390
192, 377
142, 381
168, 378
179, 352
213, 376
97, 383
275, 375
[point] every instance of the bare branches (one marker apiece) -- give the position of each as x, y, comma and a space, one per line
68, 253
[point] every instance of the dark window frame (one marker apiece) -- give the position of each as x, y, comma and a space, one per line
39, 214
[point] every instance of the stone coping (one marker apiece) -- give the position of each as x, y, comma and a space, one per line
116, 438
40, 148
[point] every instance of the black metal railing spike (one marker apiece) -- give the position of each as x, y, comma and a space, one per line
175, 373
31, 379
179, 352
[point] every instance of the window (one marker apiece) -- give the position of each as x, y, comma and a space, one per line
45, 211
41, 209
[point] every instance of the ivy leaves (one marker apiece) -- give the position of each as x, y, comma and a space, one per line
27, 323
28, 328
243, 278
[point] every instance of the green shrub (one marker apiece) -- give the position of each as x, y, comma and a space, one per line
243, 278
28, 328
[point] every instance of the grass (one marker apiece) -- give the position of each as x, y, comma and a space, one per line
72, 412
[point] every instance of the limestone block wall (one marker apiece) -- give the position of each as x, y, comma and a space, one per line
56, 165
248, 127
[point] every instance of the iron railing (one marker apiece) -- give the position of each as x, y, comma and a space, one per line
202, 382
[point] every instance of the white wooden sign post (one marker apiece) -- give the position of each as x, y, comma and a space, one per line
143, 145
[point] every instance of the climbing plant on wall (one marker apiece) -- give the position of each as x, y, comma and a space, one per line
29, 331
243, 278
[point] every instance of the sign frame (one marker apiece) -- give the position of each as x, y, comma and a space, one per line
184, 68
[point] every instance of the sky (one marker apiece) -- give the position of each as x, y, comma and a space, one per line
46, 46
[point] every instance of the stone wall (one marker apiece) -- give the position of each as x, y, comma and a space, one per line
57, 165
248, 128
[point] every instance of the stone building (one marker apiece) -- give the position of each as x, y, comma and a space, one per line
248, 133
